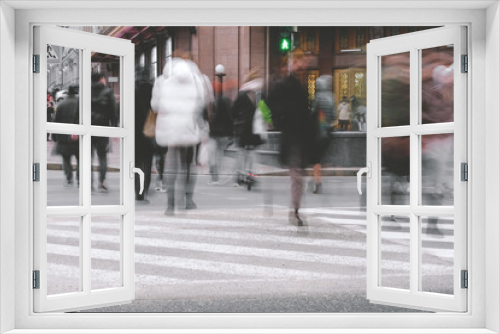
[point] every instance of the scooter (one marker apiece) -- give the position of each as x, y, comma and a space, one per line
247, 179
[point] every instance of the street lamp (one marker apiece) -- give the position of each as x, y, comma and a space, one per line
220, 72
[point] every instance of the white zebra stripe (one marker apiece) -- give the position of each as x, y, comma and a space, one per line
264, 254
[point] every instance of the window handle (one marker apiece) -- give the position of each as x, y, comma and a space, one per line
362, 171
141, 176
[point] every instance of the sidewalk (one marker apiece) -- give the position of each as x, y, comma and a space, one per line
54, 162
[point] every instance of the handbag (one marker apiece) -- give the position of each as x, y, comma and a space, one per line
149, 129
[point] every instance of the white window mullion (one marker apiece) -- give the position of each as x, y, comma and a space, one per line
86, 170
103, 131
127, 156
373, 157
395, 131
86, 272
415, 106
432, 129
67, 129
109, 210
61, 211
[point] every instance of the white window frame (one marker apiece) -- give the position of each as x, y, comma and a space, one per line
413, 44
86, 43
484, 211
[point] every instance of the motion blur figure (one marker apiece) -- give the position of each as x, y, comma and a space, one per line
437, 150
221, 133
179, 98
358, 114
289, 104
103, 113
243, 111
68, 145
143, 145
437, 158
322, 116
50, 111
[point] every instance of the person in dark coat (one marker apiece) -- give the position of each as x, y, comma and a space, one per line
144, 148
103, 113
221, 132
289, 104
68, 145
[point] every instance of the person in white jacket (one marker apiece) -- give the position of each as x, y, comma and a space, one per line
179, 96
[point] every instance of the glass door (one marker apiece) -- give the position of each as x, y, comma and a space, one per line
83, 145
416, 143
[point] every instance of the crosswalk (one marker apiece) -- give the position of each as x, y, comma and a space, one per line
242, 251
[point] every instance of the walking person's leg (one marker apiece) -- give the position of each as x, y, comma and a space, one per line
66, 165
160, 167
212, 148
173, 166
102, 155
297, 182
188, 156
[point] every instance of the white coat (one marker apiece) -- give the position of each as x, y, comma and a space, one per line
344, 111
179, 98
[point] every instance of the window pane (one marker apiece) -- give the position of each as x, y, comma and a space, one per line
106, 252
63, 255
153, 54
437, 169
395, 89
63, 170
168, 47
105, 89
437, 85
395, 171
106, 172
437, 243
63, 72
395, 252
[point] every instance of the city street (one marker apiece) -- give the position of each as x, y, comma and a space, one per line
237, 251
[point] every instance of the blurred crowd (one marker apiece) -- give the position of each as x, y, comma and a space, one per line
194, 125
181, 122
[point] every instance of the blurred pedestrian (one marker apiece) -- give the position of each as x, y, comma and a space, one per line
68, 145
179, 99
358, 114
243, 111
50, 110
288, 100
143, 145
221, 134
322, 117
159, 157
103, 113
344, 114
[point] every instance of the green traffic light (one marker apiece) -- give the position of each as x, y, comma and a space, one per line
285, 44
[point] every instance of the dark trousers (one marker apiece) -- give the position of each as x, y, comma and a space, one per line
100, 146
180, 164
344, 124
68, 169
